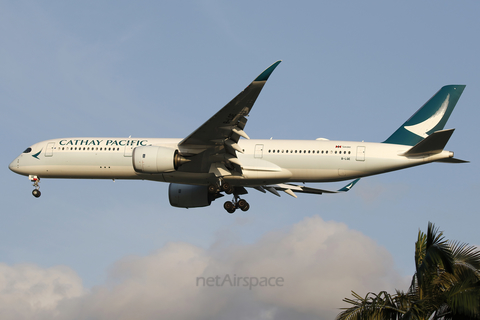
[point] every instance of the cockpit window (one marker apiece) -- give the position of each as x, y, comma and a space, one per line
27, 150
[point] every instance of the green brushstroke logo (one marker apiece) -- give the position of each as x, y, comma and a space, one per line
36, 154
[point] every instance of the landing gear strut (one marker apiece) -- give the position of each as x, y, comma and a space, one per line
36, 192
236, 203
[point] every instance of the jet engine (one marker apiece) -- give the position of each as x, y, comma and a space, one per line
153, 159
189, 196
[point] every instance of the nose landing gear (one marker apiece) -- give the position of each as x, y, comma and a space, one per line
36, 192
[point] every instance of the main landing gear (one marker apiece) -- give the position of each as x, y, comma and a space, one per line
36, 192
236, 202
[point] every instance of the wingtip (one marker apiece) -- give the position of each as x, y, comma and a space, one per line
349, 186
266, 74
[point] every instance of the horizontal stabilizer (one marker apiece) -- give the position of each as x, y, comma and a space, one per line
432, 144
452, 160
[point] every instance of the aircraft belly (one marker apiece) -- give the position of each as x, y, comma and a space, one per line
83, 171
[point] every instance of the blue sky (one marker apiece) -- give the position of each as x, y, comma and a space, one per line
350, 71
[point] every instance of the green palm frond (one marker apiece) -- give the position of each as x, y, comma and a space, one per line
446, 285
466, 255
372, 306
464, 298
435, 255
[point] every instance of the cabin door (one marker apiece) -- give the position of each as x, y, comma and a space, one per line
360, 153
49, 150
259, 151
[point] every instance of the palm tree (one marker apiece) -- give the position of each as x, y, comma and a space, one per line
446, 285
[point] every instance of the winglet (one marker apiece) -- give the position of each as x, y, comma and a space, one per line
349, 186
266, 74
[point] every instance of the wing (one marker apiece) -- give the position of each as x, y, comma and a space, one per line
290, 189
212, 147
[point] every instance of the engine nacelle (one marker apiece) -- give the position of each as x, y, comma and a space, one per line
189, 196
153, 159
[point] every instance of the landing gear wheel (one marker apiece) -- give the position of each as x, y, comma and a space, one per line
36, 192
227, 188
243, 205
212, 188
229, 206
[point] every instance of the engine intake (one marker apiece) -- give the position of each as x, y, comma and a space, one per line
153, 159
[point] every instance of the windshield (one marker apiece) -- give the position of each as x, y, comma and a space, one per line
27, 150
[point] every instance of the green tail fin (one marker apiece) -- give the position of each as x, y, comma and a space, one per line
431, 117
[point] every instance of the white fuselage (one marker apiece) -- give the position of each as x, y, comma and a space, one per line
263, 161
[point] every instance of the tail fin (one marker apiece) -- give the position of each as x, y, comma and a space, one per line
431, 117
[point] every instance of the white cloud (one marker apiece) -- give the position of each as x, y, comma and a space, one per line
319, 261
28, 291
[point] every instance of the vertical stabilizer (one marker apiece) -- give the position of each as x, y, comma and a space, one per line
431, 117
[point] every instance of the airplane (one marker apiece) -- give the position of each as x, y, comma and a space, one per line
214, 159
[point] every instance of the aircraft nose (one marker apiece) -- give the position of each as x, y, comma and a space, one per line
13, 165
